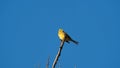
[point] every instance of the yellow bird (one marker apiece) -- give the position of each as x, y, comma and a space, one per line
64, 36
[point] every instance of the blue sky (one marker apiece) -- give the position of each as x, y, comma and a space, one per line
28, 33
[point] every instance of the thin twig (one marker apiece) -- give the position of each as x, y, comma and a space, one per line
48, 61
75, 66
38, 65
58, 54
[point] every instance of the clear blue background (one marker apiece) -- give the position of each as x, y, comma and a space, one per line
28, 33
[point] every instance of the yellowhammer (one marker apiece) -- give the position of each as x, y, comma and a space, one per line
64, 36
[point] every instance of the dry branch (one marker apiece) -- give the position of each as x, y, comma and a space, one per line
48, 61
58, 54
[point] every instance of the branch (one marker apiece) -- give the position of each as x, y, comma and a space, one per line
48, 61
58, 54
75, 66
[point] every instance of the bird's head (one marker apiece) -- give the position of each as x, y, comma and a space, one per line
60, 30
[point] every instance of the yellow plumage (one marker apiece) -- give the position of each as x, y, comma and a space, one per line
61, 34
64, 36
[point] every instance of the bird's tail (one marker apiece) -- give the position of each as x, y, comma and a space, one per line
74, 41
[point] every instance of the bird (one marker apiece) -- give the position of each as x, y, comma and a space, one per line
63, 36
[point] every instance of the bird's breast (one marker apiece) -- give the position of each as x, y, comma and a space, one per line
61, 35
